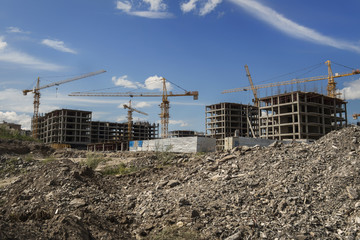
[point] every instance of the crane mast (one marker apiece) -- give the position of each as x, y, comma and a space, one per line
164, 115
256, 99
130, 111
36, 92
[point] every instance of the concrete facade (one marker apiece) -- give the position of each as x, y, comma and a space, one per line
74, 127
65, 126
116, 132
228, 119
300, 115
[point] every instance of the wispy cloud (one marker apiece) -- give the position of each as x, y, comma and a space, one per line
13, 56
209, 7
205, 6
155, 9
16, 30
292, 28
351, 91
182, 123
57, 45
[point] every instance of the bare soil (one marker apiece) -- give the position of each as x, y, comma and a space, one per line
294, 191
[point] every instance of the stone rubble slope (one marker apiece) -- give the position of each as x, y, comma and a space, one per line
293, 191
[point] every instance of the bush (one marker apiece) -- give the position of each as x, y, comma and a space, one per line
9, 134
164, 156
119, 169
93, 160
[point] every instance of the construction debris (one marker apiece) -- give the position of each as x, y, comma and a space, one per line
292, 191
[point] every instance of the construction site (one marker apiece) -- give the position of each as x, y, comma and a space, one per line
295, 115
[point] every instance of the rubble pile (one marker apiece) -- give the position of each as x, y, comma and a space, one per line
292, 191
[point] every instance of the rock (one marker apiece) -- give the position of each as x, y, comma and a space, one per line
224, 159
236, 236
352, 193
195, 214
77, 202
173, 183
184, 202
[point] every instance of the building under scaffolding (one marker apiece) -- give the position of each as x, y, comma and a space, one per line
229, 119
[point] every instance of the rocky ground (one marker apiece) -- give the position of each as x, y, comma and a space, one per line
294, 191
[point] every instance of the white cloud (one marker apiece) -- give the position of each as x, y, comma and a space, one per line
189, 6
156, 82
124, 82
151, 14
3, 44
142, 105
178, 122
156, 5
16, 30
124, 6
291, 28
12, 117
151, 83
351, 91
209, 7
57, 45
121, 119
156, 9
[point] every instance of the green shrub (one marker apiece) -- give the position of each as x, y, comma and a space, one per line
164, 156
119, 169
9, 134
93, 160
49, 159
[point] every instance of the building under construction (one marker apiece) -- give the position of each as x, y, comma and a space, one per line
295, 115
300, 115
74, 127
229, 119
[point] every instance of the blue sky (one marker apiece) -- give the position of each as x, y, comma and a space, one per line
200, 45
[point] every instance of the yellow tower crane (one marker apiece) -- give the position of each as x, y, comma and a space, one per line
256, 99
356, 115
130, 111
331, 87
165, 104
36, 91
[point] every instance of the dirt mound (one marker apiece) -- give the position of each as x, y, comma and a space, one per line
24, 147
294, 191
61, 200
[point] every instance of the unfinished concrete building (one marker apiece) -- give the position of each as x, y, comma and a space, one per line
75, 127
300, 115
115, 132
65, 126
185, 133
229, 119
